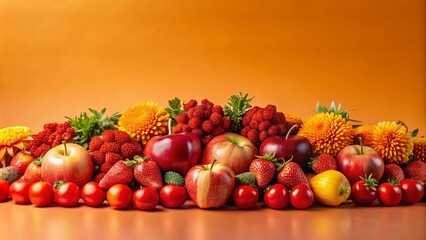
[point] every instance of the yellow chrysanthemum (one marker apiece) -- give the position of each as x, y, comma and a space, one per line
419, 148
392, 142
144, 121
366, 133
292, 119
327, 132
12, 138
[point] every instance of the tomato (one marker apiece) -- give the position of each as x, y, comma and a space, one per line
4, 190
389, 194
173, 196
19, 192
92, 194
41, 194
245, 197
276, 196
330, 187
301, 196
364, 192
412, 191
67, 194
146, 198
119, 196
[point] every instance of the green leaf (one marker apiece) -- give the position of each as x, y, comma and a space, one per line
415, 132
246, 178
174, 178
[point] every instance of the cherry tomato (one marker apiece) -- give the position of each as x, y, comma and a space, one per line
389, 194
19, 192
119, 196
4, 190
146, 198
41, 194
412, 191
173, 196
301, 196
276, 196
67, 194
362, 194
245, 197
92, 194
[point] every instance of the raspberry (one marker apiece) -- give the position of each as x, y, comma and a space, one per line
177, 128
246, 121
253, 135
216, 119
66, 136
41, 150
264, 125
198, 131
205, 101
226, 123
207, 126
217, 109
182, 118
186, 128
254, 124
267, 114
271, 108
206, 114
273, 130
194, 122
206, 139
121, 137
108, 136
57, 141
112, 158
70, 130
51, 139
263, 135
130, 150
217, 131
50, 126
282, 129
105, 167
111, 147
95, 143
245, 130
198, 113
191, 112
98, 157
98, 177
192, 103
258, 116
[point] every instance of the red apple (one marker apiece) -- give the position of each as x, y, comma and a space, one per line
357, 161
68, 162
175, 152
231, 149
210, 185
291, 146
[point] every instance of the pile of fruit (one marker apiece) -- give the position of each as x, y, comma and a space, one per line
213, 156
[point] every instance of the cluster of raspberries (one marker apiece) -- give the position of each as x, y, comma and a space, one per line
52, 135
111, 147
261, 123
205, 120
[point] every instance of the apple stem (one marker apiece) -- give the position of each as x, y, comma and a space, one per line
290, 130
169, 126
211, 165
65, 148
362, 147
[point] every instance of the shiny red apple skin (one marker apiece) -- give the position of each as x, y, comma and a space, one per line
176, 152
294, 146
353, 164
231, 149
76, 166
210, 187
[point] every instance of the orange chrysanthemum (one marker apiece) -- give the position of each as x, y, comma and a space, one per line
366, 133
327, 132
144, 121
11, 139
392, 142
292, 120
419, 148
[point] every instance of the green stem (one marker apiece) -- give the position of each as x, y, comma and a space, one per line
362, 147
65, 148
211, 166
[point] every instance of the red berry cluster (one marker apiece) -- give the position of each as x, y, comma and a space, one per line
261, 123
111, 147
52, 135
205, 120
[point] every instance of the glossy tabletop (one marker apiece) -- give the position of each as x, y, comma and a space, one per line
319, 222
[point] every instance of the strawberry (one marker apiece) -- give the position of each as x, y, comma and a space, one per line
290, 174
416, 170
21, 160
33, 172
148, 174
392, 171
112, 158
263, 169
323, 163
120, 173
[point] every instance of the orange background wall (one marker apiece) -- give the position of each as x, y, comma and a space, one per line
57, 58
